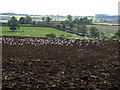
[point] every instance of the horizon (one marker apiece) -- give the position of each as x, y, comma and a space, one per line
53, 14
63, 7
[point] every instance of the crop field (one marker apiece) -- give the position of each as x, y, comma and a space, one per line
53, 63
106, 28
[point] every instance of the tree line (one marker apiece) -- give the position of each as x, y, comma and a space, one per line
79, 26
14, 24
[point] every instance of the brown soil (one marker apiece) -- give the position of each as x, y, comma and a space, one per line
51, 66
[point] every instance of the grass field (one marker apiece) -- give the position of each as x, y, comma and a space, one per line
42, 31
107, 29
36, 32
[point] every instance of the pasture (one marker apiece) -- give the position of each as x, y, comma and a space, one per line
36, 32
42, 31
105, 28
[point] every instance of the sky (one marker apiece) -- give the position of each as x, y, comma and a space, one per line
60, 7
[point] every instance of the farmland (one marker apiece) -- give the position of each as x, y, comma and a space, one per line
104, 19
42, 31
36, 32
53, 63
31, 60
105, 28
71, 26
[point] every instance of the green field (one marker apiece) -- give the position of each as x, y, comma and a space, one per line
36, 32
42, 31
107, 29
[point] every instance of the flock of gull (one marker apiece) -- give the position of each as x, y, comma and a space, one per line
49, 41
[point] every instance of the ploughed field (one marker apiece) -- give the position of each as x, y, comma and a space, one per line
53, 63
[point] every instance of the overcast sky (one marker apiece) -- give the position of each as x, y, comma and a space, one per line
60, 7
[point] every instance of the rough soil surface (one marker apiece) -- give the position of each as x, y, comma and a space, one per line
84, 65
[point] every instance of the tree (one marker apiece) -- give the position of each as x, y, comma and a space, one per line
22, 20
77, 27
43, 19
18, 26
67, 23
48, 19
58, 26
13, 24
94, 32
69, 17
28, 20
114, 38
85, 20
82, 29
52, 35
118, 33
71, 25
76, 20
81, 21
33, 23
103, 35
63, 24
